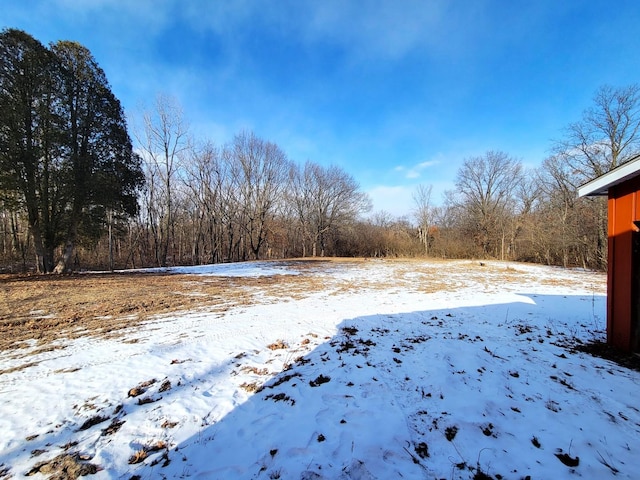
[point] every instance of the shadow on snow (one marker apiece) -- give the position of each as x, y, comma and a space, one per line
386, 396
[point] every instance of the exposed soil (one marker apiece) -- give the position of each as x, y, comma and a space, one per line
35, 310
603, 350
42, 308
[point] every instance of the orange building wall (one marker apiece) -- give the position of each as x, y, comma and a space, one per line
623, 211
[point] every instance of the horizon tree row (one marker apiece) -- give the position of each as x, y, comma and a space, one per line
75, 193
500, 210
244, 200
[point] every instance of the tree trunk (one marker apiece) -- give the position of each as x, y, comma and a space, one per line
110, 233
64, 262
41, 263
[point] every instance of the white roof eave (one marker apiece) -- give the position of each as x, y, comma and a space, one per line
600, 185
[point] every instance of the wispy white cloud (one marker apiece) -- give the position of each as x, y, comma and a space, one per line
366, 84
386, 31
141, 17
415, 171
364, 30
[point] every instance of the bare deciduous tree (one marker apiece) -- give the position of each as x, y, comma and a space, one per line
424, 215
607, 135
205, 177
163, 140
326, 199
487, 186
261, 175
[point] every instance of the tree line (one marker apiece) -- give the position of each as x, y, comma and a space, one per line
66, 160
243, 200
75, 193
505, 211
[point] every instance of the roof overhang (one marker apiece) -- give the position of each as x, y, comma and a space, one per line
620, 174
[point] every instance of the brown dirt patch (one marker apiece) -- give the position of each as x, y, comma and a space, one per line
35, 310
603, 350
65, 466
43, 308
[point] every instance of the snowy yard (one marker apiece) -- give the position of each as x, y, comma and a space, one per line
355, 370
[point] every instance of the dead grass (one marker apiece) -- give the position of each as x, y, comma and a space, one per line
144, 452
35, 310
42, 308
65, 466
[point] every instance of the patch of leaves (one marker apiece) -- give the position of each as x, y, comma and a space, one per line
146, 400
346, 346
252, 387
350, 344
380, 331
350, 330
255, 370
480, 475
419, 339
319, 380
168, 424
422, 449
69, 445
523, 329
280, 397
606, 351
278, 345
487, 430
90, 422
552, 405
283, 379
141, 388
113, 427
144, 452
302, 361
138, 456
567, 459
65, 466
450, 433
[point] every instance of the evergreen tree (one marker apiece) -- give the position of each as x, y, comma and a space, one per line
64, 147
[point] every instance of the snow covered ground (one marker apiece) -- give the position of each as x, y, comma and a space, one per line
380, 370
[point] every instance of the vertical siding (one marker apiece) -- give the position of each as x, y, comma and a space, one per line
623, 211
611, 280
620, 275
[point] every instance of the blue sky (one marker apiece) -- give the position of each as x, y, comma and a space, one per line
397, 93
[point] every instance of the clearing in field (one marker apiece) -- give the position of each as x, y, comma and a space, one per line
313, 370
